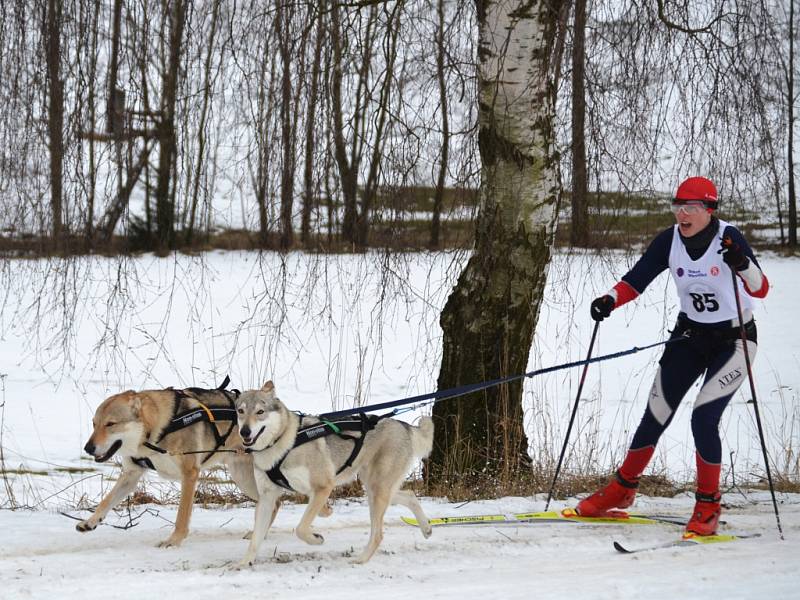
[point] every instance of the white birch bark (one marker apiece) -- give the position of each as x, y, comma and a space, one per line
489, 318
515, 101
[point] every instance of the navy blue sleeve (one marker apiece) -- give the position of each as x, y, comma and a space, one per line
651, 264
738, 238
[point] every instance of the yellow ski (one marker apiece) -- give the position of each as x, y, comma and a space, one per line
568, 515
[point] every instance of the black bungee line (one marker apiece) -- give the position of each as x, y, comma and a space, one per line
455, 392
414, 402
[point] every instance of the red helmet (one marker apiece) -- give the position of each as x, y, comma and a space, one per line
698, 188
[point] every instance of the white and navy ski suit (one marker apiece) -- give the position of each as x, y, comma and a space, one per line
709, 316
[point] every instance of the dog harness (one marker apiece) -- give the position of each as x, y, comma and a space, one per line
202, 413
362, 424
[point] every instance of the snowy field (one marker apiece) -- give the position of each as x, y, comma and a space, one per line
334, 331
42, 556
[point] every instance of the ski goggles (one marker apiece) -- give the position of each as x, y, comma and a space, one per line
689, 207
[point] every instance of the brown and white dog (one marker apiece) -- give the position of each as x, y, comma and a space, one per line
170, 431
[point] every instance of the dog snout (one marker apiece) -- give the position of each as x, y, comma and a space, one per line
89, 448
245, 432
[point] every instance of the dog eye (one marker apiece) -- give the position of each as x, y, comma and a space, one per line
260, 412
110, 424
240, 411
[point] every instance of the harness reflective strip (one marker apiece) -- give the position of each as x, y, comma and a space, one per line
208, 411
213, 414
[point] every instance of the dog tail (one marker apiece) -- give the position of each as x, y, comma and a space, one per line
422, 437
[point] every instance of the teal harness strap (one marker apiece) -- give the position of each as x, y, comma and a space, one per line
332, 425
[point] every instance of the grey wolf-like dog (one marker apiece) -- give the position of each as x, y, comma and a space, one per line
388, 452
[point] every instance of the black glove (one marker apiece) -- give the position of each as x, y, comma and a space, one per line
601, 307
733, 255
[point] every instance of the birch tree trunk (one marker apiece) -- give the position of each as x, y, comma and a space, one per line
489, 319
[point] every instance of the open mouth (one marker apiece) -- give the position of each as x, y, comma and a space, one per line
247, 443
111, 452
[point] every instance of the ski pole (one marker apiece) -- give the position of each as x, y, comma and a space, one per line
572, 417
743, 335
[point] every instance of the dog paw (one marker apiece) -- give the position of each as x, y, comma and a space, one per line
85, 526
172, 541
248, 535
245, 563
426, 531
312, 538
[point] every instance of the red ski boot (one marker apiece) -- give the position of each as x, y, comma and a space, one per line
705, 517
619, 493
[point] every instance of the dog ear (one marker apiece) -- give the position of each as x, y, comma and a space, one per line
146, 411
134, 401
269, 390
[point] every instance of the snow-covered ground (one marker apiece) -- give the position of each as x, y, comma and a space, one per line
42, 556
332, 331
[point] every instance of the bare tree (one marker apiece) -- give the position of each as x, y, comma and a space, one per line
309, 195
201, 158
262, 115
579, 231
674, 89
284, 14
361, 91
55, 113
441, 78
348, 165
120, 131
790, 97
380, 118
165, 183
93, 50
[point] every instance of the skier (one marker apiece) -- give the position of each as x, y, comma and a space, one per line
700, 251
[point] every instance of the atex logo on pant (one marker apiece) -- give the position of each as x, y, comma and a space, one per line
730, 377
